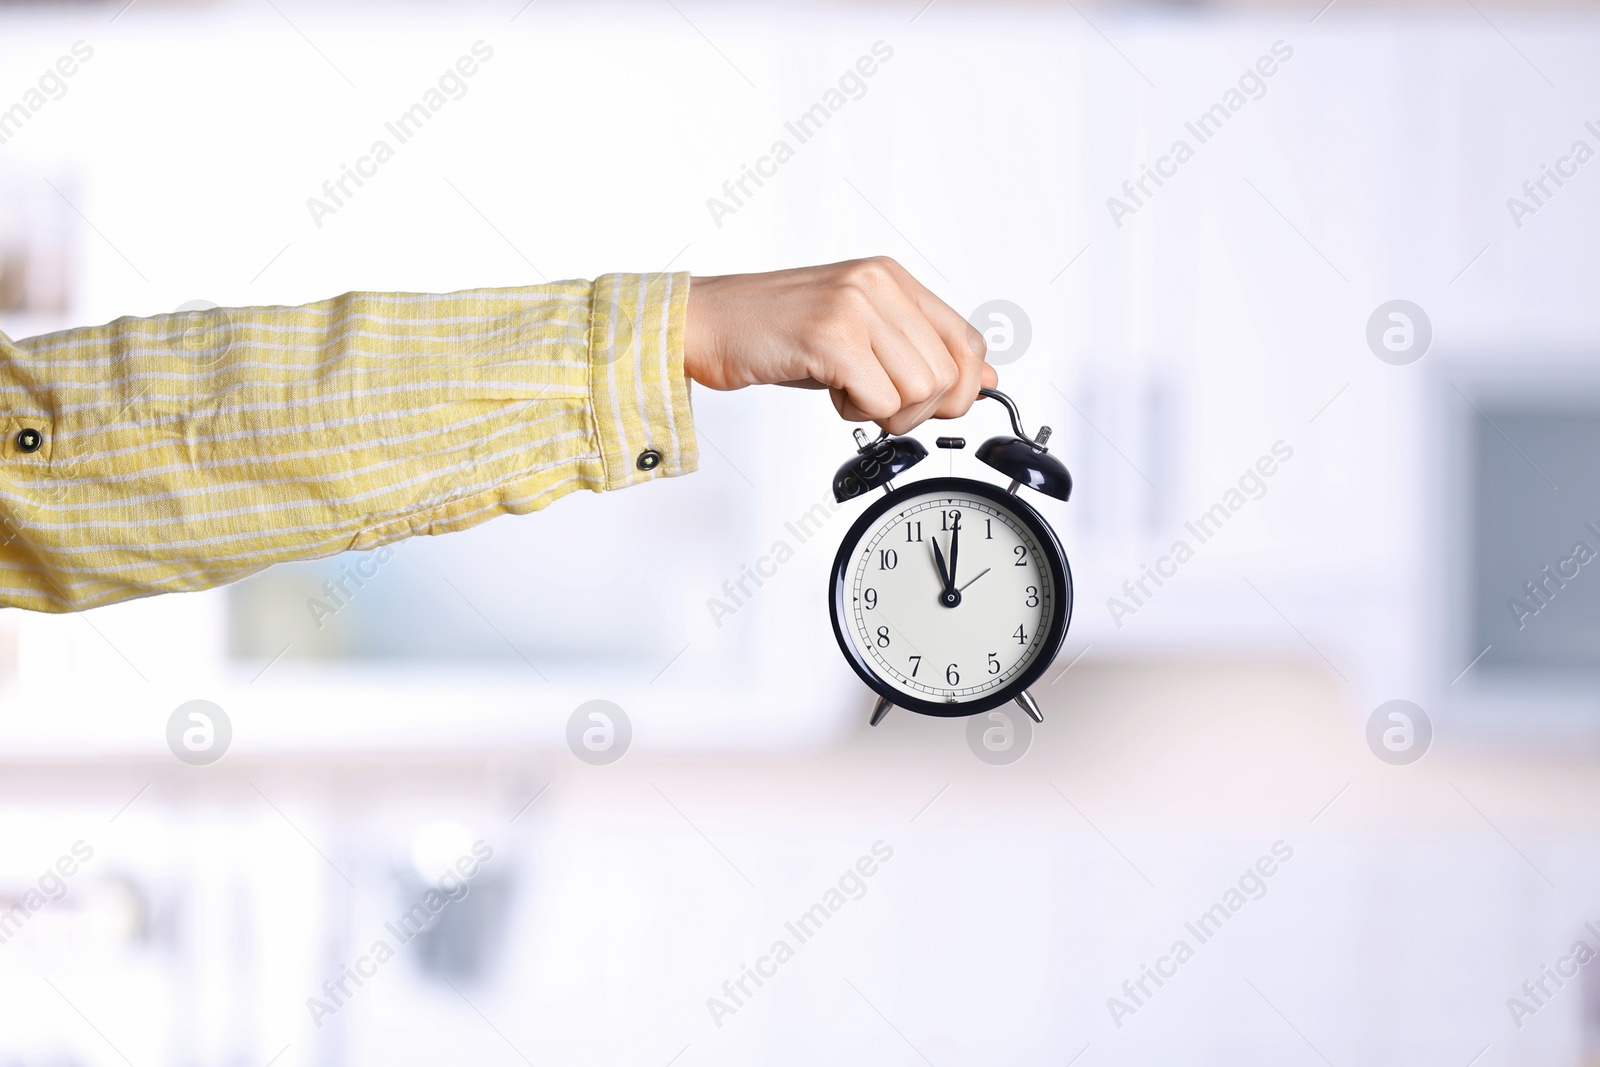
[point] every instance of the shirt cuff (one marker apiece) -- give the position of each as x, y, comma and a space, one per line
637, 388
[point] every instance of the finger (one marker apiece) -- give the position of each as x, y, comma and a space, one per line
964, 344
847, 408
848, 366
961, 396
915, 381
960, 335
947, 372
960, 350
967, 349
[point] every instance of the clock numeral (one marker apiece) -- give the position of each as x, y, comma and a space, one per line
888, 559
950, 520
994, 664
988, 529
916, 665
909, 538
951, 675
871, 597
1021, 636
1033, 597
883, 637
1022, 555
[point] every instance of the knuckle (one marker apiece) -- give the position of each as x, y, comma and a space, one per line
872, 273
849, 304
888, 264
928, 383
840, 324
922, 384
955, 406
881, 406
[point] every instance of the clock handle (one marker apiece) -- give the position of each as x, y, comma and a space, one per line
1024, 461
1011, 409
880, 710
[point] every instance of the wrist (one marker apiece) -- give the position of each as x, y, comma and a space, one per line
699, 331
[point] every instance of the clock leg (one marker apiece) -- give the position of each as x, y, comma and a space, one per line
880, 710
1031, 706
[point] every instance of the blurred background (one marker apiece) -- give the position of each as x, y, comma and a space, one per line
1351, 243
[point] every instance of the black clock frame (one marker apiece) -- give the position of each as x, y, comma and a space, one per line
1055, 560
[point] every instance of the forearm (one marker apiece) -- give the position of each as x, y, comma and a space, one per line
185, 451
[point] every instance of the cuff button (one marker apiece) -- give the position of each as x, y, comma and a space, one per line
29, 440
649, 459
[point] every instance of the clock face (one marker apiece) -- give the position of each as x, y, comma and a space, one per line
950, 596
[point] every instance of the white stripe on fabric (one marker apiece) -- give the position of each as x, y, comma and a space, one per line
308, 427
581, 394
666, 377
122, 338
640, 361
611, 382
331, 372
467, 387
340, 354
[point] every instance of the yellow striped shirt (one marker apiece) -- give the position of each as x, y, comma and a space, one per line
183, 451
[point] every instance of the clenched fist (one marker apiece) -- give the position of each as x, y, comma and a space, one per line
886, 348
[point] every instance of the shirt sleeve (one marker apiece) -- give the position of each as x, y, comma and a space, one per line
188, 450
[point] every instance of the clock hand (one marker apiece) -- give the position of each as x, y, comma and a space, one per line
955, 546
975, 577
949, 596
938, 559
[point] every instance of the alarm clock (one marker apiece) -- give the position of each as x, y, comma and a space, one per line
951, 596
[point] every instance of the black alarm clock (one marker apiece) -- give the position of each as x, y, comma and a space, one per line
951, 596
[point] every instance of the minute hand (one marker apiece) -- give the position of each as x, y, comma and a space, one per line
955, 547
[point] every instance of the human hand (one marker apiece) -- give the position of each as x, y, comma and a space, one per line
886, 348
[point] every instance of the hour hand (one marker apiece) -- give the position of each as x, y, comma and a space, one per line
949, 595
938, 561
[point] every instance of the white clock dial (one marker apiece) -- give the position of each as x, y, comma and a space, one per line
899, 613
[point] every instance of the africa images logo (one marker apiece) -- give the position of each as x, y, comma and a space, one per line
1251, 85
851, 85
1252, 885
851, 885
